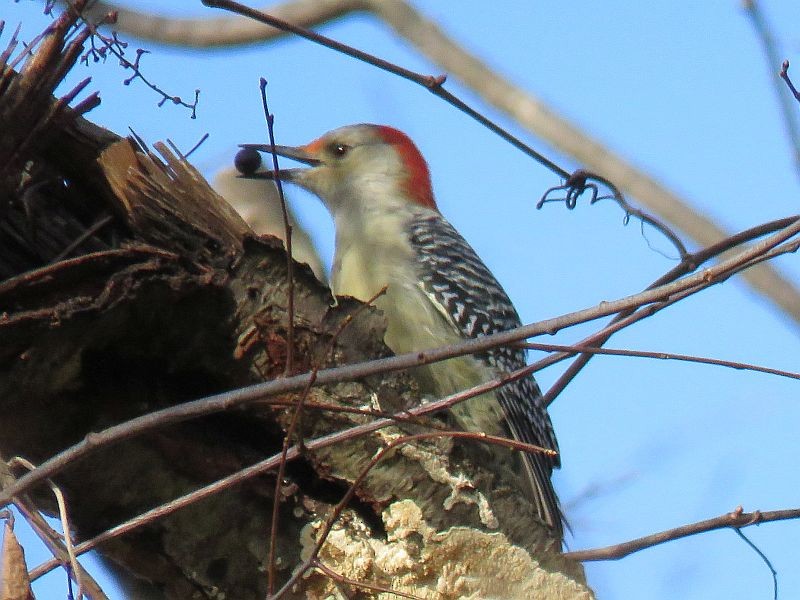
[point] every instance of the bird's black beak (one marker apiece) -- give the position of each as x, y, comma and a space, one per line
298, 153
248, 160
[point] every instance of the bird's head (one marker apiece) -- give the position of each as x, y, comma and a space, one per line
356, 164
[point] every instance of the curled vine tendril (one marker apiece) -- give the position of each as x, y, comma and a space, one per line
583, 182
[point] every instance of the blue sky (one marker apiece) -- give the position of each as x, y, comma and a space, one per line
678, 88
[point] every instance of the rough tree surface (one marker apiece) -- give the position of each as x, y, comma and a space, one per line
127, 285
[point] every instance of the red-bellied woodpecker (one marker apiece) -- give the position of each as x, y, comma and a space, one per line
389, 232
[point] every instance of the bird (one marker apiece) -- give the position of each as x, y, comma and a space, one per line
389, 232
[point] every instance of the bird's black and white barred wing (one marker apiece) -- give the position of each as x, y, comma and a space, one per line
454, 275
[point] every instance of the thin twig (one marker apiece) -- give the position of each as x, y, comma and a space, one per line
790, 247
287, 228
739, 366
318, 564
784, 73
90, 231
736, 519
177, 150
764, 558
52, 539
429, 82
76, 572
582, 181
114, 46
772, 58
296, 416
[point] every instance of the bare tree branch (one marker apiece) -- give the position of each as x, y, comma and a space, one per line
529, 111
736, 520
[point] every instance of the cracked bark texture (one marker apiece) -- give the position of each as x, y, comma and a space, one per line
127, 285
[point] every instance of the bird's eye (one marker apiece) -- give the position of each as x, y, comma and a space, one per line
339, 149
